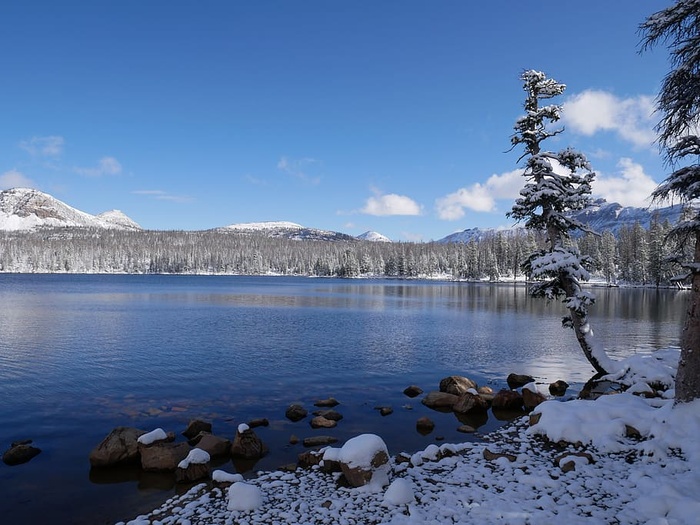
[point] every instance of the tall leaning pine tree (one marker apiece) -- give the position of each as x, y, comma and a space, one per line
679, 106
557, 184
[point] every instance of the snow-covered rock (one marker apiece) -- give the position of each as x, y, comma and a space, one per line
151, 437
400, 492
364, 460
244, 497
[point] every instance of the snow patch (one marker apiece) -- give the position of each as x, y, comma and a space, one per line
244, 497
151, 437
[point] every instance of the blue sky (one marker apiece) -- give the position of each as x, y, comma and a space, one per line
393, 116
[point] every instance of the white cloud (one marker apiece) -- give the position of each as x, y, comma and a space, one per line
163, 195
480, 197
631, 188
51, 146
593, 110
390, 204
106, 166
15, 179
299, 168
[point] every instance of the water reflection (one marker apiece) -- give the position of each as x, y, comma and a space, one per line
82, 354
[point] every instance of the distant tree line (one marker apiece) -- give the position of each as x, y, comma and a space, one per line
637, 255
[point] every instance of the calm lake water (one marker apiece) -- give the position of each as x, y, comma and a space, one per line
80, 355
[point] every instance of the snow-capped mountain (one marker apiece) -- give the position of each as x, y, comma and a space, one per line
27, 209
373, 237
600, 217
284, 229
603, 215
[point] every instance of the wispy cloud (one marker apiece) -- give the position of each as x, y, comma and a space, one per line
302, 169
15, 179
480, 197
51, 146
163, 195
390, 204
593, 111
256, 181
631, 187
105, 166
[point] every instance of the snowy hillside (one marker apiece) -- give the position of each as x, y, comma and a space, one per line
286, 230
27, 209
373, 237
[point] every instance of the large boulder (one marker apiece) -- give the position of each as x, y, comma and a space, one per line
470, 403
247, 444
20, 452
507, 400
162, 455
120, 446
440, 400
365, 459
456, 385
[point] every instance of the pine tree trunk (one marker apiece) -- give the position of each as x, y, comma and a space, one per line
688, 375
584, 333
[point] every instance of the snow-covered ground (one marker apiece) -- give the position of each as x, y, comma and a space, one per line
517, 475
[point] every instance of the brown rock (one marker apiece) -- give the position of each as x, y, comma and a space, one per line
316, 441
558, 388
162, 456
19, 453
360, 475
196, 426
413, 391
632, 432
567, 463
425, 426
485, 390
456, 385
248, 445
259, 422
492, 456
532, 399
469, 403
386, 411
295, 413
329, 414
535, 418
330, 402
507, 400
518, 380
193, 472
309, 459
215, 446
293, 439
438, 400
120, 446
466, 429
322, 422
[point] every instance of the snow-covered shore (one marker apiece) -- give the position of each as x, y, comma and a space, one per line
633, 460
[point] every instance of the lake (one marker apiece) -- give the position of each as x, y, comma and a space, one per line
82, 354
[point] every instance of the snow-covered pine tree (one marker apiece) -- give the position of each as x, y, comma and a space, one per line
557, 184
679, 106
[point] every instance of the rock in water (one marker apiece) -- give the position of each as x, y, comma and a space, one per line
247, 444
120, 446
20, 453
456, 385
